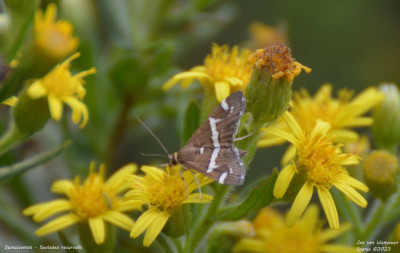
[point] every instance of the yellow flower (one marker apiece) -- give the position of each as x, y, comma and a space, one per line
263, 34
320, 163
162, 192
11, 101
306, 236
225, 70
53, 37
60, 86
95, 202
278, 60
341, 113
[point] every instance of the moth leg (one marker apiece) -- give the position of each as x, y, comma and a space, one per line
184, 182
197, 182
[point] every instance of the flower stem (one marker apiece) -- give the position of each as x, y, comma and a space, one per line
349, 210
165, 243
11, 138
377, 219
203, 225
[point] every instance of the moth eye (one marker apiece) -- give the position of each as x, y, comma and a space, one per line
174, 162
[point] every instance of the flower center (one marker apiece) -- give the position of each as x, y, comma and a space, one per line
61, 83
320, 161
168, 194
91, 199
223, 65
277, 58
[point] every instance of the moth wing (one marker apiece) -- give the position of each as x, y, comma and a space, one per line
222, 164
225, 119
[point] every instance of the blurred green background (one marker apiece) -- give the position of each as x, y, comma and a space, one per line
352, 44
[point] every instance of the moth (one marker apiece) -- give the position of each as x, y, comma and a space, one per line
210, 149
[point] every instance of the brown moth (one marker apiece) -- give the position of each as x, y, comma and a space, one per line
210, 149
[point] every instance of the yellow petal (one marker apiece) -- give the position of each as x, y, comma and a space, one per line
57, 224
55, 106
195, 198
343, 135
119, 220
184, 76
351, 193
353, 182
130, 205
98, 229
63, 187
329, 207
117, 180
155, 228
11, 101
153, 173
222, 90
358, 122
283, 181
144, 222
300, 203
36, 90
43, 211
289, 155
293, 125
334, 248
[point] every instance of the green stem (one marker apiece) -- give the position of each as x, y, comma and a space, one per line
204, 224
13, 222
348, 210
11, 138
165, 243
374, 223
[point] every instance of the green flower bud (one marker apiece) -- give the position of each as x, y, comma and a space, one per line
178, 223
387, 119
270, 87
29, 116
380, 169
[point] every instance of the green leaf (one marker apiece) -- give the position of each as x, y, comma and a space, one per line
21, 14
21, 167
190, 120
260, 196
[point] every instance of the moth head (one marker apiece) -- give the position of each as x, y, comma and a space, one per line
173, 159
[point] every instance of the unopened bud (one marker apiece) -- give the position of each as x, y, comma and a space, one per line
380, 169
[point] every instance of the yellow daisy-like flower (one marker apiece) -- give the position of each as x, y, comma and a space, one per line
95, 201
263, 34
306, 236
341, 113
162, 191
51, 36
60, 86
320, 163
278, 60
226, 70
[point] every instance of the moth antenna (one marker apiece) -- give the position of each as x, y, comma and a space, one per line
155, 137
158, 155
244, 137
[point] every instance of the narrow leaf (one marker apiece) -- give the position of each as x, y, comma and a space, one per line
190, 121
21, 167
259, 197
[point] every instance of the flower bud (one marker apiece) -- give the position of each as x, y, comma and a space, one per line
270, 87
380, 169
178, 223
387, 119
